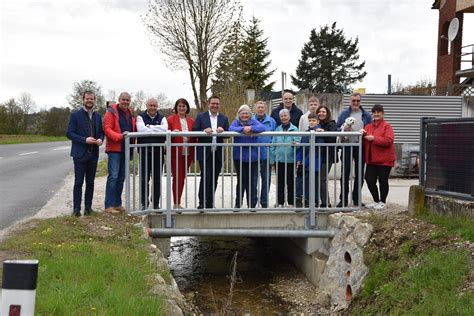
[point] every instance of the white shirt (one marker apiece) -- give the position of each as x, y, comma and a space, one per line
213, 119
141, 127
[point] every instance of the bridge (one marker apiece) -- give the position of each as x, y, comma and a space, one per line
302, 225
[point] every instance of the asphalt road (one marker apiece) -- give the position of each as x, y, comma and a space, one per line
29, 176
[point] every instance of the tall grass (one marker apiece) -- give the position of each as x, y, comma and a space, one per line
86, 270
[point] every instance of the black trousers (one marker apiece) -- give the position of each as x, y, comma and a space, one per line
151, 166
381, 173
210, 170
347, 155
289, 179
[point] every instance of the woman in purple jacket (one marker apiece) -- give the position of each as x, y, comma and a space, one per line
246, 157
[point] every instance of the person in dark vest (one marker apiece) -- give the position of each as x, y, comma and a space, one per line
85, 132
118, 122
210, 157
151, 157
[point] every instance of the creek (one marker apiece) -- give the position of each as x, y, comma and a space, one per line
202, 267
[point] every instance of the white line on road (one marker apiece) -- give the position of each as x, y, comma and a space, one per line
62, 148
30, 153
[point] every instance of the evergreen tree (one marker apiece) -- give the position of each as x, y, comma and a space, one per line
254, 58
328, 62
75, 98
229, 82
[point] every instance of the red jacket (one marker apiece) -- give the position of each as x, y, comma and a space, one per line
174, 123
381, 150
112, 129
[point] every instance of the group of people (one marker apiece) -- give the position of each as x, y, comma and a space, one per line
287, 154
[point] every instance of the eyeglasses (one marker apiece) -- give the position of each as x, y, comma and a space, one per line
355, 101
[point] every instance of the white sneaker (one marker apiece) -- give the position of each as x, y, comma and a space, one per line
380, 206
372, 205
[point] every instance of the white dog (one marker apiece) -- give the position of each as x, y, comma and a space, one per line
348, 123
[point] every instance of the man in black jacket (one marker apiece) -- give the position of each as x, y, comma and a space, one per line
85, 132
295, 113
210, 157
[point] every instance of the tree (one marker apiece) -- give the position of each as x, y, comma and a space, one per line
329, 62
27, 106
229, 83
75, 98
421, 87
254, 58
53, 122
191, 34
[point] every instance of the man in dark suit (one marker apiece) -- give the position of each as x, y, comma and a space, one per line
86, 133
210, 155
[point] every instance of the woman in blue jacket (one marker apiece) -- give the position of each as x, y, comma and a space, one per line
246, 157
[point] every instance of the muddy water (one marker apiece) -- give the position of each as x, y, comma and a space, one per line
202, 266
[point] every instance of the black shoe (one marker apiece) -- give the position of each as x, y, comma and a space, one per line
200, 207
340, 204
357, 204
76, 213
89, 211
299, 202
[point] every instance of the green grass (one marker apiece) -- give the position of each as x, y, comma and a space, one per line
84, 271
427, 284
23, 139
102, 168
461, 226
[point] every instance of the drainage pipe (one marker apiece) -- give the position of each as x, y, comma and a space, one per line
225, 232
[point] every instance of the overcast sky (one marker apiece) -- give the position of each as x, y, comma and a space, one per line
47, 45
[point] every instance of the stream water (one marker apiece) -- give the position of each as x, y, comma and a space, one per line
202, 267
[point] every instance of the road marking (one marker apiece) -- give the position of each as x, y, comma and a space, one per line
30, 153
62, 148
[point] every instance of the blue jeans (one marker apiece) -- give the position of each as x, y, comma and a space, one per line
114, 186
265, 175
85, 167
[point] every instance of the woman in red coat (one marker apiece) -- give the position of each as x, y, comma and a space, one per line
379, 154
181, 156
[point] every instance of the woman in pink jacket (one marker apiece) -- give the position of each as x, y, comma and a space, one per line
379, 154
181, 156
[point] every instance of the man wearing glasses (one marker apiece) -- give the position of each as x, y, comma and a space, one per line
349, 153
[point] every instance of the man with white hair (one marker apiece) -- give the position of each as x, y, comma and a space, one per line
151, 158
118, 122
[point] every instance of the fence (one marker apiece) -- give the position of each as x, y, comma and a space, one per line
233, 169
447, 157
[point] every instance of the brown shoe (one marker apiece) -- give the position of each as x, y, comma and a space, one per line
112, 210
120, 209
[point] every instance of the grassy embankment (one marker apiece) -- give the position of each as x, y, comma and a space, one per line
24, 139
96, 265
424, 280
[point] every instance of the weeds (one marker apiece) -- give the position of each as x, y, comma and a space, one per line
23, 139
461, 226
85, 270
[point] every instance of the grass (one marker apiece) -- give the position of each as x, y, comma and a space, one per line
85, 269
24, 139
427, 284
422, 283
461, 226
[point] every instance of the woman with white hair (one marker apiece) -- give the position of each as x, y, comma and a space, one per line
283, 156
246, 157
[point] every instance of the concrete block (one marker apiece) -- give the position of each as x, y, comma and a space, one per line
416, 200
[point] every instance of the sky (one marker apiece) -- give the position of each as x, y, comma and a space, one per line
47, 45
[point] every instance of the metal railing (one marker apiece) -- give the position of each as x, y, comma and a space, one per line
447, 157
229, 185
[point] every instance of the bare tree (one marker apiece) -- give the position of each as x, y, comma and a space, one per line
191, 34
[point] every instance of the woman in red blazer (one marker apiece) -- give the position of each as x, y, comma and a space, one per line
379, 154
181, 156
